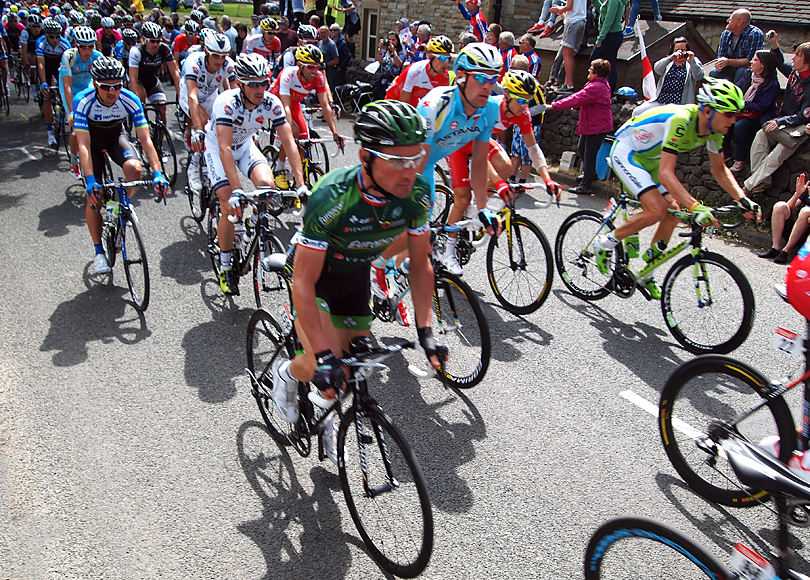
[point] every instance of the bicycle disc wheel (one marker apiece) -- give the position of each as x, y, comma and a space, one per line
708, 304
520, 267
214, 214
317, 152
698, 403
575, 255
459, 322
385, 491
135, 264
441, 204
265, 345
264, 281
642, 548
165, 150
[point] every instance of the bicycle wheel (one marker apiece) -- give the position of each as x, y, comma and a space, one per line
520, 267
385, 491
265, 345
214, 213
441, 204
575, 256
5, 99
165, 150
18, 79
698, 404
317, 152
312, 174
26, 87
459, 322
58, 123
642, 548
135, 264
264, 281
109, 232
441, 176
707, 303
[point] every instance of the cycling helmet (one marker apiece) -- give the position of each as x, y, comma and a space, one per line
721, 95
307, 32
388, 123
251, 66
308, 54
520, 83
51, 26
23, 13
12, 17
76, 18
191, 27
54, 10
14, 8
96, 19
269, 25
129, 36
34, 10
273, 8
151, 31
107, 68
107, 22
62, 20
128, 19
440, 45
479, 57
118, 19
628, 92
196, 16
34, 20
66, 7
217, 43
84, 36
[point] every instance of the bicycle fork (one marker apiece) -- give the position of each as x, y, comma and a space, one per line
362, 440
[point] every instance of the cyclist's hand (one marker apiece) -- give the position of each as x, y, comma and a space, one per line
341, 142
161, 186
490, 221
434, 350
505, 192
303, 193
92, 188
235, 201
335, 111
554, 190
703, 216
328, 374
197, 138
44, 87
750, 207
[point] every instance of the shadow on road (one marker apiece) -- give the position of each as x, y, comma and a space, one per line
56, 220
187, 261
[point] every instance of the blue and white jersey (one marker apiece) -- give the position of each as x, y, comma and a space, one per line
73, 66
121, 52
52, 54
91, 115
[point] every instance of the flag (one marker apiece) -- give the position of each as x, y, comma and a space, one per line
648, 82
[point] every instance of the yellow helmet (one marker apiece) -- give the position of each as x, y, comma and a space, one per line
440, 45
309, 54
269, 25
520, 83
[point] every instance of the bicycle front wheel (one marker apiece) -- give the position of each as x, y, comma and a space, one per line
708, 304
264, 281
519, 267
459, 322
441, 204
642, 548
135, 264
385, 491
165, 150
214, 213
575, 255
699, 407
317, 152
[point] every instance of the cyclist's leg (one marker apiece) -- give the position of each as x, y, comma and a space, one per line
93, 216
123, 154
140, 90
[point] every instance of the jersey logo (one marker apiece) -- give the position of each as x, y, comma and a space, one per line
276, 110
228, 109
260, 119
646, 137
454, 125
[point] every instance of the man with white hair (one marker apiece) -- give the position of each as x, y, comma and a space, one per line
738, 44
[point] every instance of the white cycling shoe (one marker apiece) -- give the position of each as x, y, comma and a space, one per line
101, 265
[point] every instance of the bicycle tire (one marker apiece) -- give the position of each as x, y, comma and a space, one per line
698, 400
459, 322
389, 503
136, 265
441, 204
166, 154
58, 122
575, 258
263, 281
18, 82
317, 152
266, 344
197, 199
26, 87
214, 214
639, 548
109, 232
444, 177
520, 267
312, 175
5, 99
722, 324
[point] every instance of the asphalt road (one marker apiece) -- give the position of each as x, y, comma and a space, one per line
130, 446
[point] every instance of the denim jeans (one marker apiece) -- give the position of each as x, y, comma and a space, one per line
609, 51
546, 16
588, 149
636, 7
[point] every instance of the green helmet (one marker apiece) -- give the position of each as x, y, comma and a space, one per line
721, 95
389, 123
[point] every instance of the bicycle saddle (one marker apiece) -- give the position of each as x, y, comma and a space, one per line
364, 86
760, 470
274, 262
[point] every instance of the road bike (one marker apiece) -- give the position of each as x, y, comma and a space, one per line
382, 481
200, 201
706, 301
19, 76
642, 548
61, 127
312, 161
5, 104
162, 141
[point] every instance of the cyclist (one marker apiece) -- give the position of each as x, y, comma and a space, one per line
50, 49
129, 38
74, 77
108, 36
418, 78
144, 63
4, 42
292, 86
203, 75
644, 157
306, 35
266, 43
353, 214
237, 115
185, 40
75, 18
28, 43
98, 115
14, 30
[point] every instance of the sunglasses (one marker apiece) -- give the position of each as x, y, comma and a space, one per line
520, 100
53, 36
482, 78
312, 66
443, 58
256, 84
106, 87
398, 161
150, 41
730, 115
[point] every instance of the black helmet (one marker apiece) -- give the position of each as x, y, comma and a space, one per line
129, 35
151, 31
389, 123
191, 27
107, 68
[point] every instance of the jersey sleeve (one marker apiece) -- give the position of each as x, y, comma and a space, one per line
714, 144
277, 116
320, 83
81, 104
135, 57
166, 54
410, 79
228, 68
133, 106
41, 46
285, 80
419, 224
64, 67
224, 111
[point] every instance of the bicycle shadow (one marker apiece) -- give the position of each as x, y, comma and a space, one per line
55, 221
296, 532
48, 162
100, 314
186, 261
11, 201
512, 337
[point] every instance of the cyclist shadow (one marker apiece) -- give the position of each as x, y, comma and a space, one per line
513, 336
185, 261
55, 221
101, 313
299, 534
10, 201
32, 168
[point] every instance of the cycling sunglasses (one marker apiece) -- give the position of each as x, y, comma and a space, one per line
53, 36
442, 58
256, 84
520, 100
106, 87
312, 66
483, 78
399, 161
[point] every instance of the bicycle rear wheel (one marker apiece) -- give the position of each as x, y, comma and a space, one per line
263, 281
5, 99
214, 213
575, 255
196, 203
312, 174
520, 267
165, 150
385, 491
441, 204
135, 264
317, 152
698, 404
642, 548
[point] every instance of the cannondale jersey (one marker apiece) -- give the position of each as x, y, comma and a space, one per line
230, 111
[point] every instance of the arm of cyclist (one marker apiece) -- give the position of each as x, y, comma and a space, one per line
225, 141
478, 180
284, 133
160, 183
199, 116
726, 179
667, 177
86, 160
422, 280
41, 72
329, 117
172, 66
541, 165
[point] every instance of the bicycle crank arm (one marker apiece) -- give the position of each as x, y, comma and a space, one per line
385, 488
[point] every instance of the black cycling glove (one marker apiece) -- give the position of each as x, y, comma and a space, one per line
328, 374
430, 344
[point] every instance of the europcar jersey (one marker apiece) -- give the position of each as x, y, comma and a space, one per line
230, 111
91, 115
341, 222
289, 82
73, 66
208, 84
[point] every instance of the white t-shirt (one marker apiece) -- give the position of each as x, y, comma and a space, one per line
577, 13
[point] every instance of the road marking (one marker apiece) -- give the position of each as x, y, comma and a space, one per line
652, 409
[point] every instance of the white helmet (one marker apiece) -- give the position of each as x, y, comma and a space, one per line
217, 43
479, 57
84, 36
251, 66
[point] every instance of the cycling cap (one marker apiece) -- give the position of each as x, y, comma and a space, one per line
308, 54
269, 25
191, 27
76, 17
797, 281
307, 32
129, 35
51, 26
107, 68
520, 83
440, 45
151, 31
722, 95
84, 36
217, 43
107, 22
479, 56
251, 66
389, 123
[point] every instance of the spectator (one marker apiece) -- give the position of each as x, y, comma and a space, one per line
635, 7
545, 25
297, 13
138, 22
478, 23
738, 44
315, 21
330, 54
169, 32
779, 138
760, 86
789, 223
526, 48
229, 31
352, 24
595, 119
254, 24
391, 56
404, 32
609, 36
344, 56
573, 34
286, 35
310, 8
417, 52
678, 75
241, 34
506, 44
493, 34
466, 38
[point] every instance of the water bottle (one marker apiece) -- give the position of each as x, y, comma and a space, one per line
632, 245
238, 234
654, 251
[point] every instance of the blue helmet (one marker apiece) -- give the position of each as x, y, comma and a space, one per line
628, 92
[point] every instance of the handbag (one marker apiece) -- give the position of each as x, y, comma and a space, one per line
790, 137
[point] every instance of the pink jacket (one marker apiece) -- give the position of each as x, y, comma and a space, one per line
594, 104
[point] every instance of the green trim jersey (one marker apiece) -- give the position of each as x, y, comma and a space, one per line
671, 128
353, 228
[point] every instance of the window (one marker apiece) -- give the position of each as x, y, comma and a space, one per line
370, 32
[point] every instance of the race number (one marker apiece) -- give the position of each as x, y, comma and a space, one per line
788, 342
750, 565
285, 319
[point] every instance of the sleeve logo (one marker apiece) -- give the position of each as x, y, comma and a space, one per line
228, 109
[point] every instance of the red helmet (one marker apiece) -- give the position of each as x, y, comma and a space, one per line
797, 281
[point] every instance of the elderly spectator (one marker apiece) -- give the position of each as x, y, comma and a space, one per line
738, 44
344, 56
526, 48
545, 24
609, 36
635, 7
478, 23
404, 32
595, 119
493, 34
417, 51
678, 75
506, 44
562, 71
229, 31
789, 223
780, 137
760, 86
286, 35
466, 38
331, 58
391, 56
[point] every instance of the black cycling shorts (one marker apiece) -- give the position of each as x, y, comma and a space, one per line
346, 295
119, 149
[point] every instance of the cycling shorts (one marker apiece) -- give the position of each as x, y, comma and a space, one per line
638, 174
118, 148
247, 158
345, 296
298, 119
154, 89
460, 164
